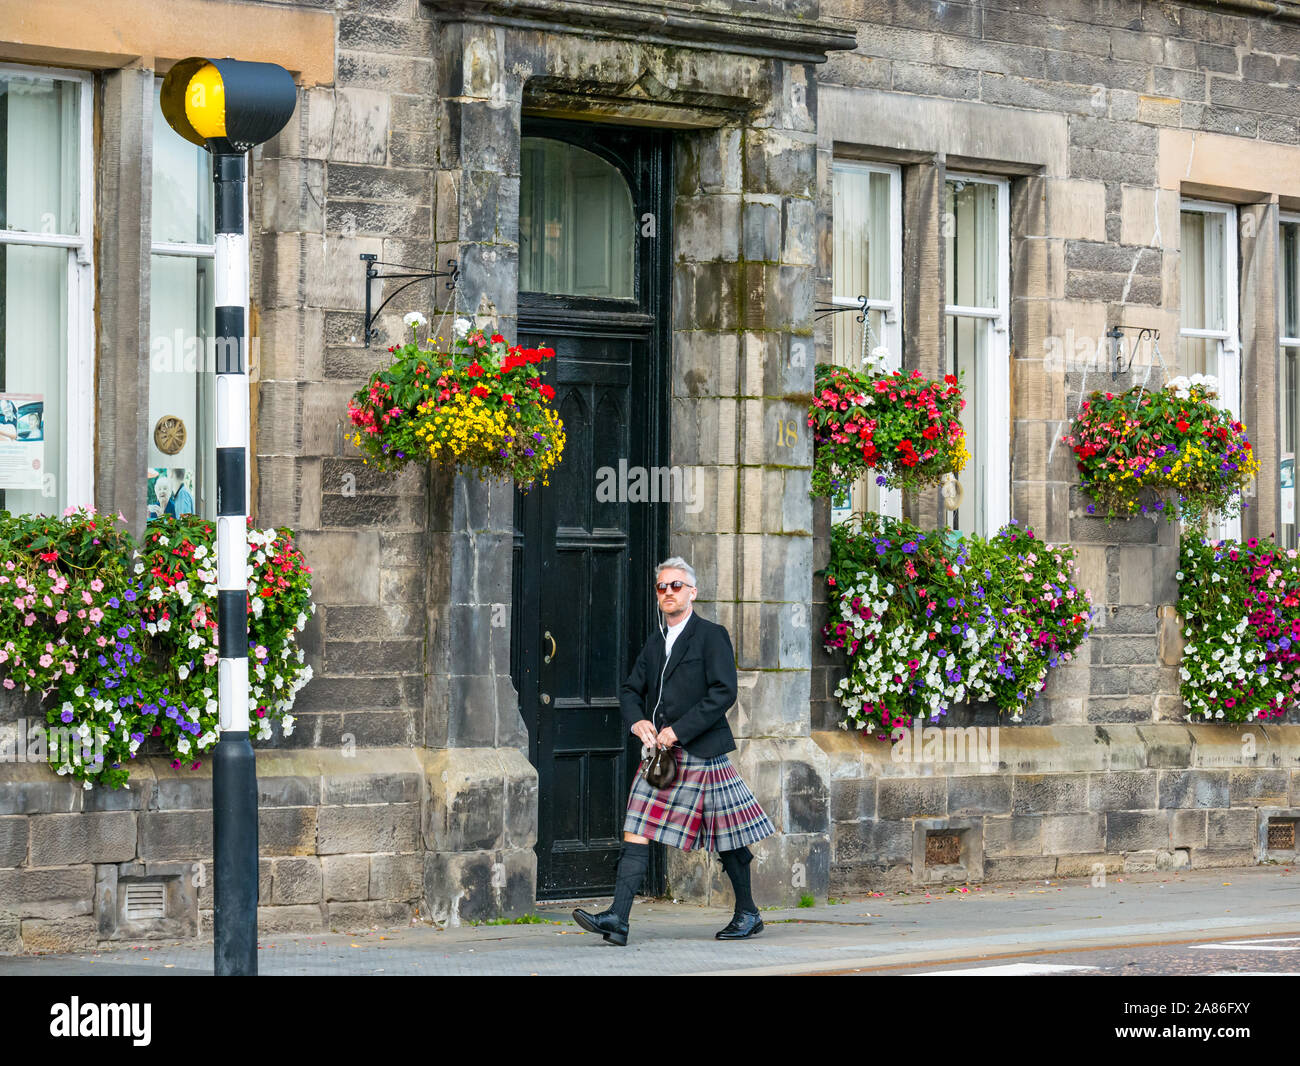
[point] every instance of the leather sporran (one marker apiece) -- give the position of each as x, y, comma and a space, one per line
660, 768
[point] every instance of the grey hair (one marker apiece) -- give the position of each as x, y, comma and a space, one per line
676, 563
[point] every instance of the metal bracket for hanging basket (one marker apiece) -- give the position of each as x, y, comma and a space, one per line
860, 307
1116, 334
372, 261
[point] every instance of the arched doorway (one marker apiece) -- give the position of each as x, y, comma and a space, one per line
594, 276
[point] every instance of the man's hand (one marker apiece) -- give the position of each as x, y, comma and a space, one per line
667, 738
645, 731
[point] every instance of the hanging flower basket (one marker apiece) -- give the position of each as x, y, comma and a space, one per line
907, 428
479, 405
1173, 439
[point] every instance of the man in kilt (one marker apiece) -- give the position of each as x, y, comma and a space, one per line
677, 697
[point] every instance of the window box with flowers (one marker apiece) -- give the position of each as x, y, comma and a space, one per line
479, 406
1174, 439
120, 641
926, 620
1240, 607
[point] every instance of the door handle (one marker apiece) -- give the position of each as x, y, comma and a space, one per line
547, 636
546, 697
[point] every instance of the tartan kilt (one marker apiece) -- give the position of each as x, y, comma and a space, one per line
708, 807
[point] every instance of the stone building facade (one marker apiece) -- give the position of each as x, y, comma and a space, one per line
427, 773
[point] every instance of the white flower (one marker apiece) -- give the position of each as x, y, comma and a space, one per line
200, 552
183, 746
182, 672
139, 568
414, 319
461, 326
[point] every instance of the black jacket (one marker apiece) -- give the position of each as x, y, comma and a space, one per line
699, 687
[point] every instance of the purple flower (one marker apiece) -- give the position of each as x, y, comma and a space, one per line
123, 632
129, 595
66, 716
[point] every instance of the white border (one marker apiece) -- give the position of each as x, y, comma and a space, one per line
1228, 363
78, 471
890, 500
996, 372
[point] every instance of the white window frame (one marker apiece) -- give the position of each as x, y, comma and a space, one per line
78, 472
1283, 342
996, 371
1228, 358
890, 500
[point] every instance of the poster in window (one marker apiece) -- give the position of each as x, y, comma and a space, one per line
170, 491
22, 440
1288, 489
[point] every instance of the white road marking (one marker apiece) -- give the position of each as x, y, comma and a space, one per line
1010, 969
1267, 944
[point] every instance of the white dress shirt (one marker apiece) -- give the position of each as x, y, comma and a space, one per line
673, 633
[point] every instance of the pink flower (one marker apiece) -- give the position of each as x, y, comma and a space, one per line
86, 597
61, 617
97, 585
96, 614
46, 660
9, 682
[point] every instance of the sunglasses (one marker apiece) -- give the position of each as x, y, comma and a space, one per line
676, 586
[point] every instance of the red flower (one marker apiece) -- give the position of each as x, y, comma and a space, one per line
479, 390
1183, 427
498, 339
508, 398
547, 391
474, 370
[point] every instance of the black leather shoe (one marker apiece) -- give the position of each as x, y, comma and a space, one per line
606, 923
742, 925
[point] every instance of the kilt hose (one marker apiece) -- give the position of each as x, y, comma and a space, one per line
708, 807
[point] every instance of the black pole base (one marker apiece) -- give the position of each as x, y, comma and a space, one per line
234, 848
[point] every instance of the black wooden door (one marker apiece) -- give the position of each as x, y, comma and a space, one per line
583, 605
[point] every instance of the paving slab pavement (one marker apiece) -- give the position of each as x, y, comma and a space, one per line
864, 932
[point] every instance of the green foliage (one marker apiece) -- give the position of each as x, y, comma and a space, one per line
121, 643
906, 427
927, 619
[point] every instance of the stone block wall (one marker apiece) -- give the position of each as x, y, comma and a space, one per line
1059, 801
340, 840
1091, 111
351, 174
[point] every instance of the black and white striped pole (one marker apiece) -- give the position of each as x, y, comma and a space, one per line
228, 106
